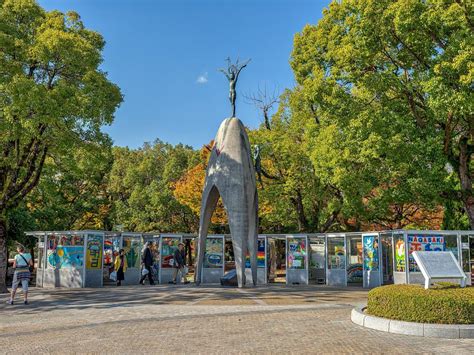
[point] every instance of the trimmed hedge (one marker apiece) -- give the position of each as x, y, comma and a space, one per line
444, 304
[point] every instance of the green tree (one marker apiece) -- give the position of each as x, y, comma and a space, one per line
141, 187
388, 90
72, 192
53, 96
291, 196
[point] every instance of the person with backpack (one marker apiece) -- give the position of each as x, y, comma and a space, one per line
23, 265
147, 265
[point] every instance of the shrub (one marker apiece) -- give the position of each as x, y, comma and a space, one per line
412, 303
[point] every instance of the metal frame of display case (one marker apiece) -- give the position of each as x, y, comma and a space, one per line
214, 274
330, 271
164, 272
111, 235
367, 283
324, 239
44, 237
154, 237
411, 275
136, 270
265, 267
99, 271
303, 274
262, 272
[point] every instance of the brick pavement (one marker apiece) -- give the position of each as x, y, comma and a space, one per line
187, 319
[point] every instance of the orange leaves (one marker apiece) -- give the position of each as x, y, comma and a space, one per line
188, 189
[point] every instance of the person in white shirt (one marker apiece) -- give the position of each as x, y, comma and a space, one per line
22, 274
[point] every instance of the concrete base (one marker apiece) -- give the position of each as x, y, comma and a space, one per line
336, 277
296, 277
372, 279
132, 276
94, 278
166, 275
399, 278
261, 277
449, 331
212, 276
70, 278
469, 279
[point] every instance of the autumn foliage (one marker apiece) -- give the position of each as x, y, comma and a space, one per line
188, 189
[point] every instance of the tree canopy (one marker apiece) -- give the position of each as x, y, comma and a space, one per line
53, 97
377, 133
387, 92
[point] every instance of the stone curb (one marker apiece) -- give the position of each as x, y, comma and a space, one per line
450, 331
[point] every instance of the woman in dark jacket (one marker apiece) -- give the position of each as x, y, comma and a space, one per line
147, 263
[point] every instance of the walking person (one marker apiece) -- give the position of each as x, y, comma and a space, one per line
147, 264
120, 266
179, 258
22, 263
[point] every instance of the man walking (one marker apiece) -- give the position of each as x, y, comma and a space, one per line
179, 264
147, 264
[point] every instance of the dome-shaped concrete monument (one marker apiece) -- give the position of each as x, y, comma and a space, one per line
231, 175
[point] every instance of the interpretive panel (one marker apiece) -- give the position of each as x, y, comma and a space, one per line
214, 255
94, 252
440, 265
371, 252
296, 262
372, 274
296, 256
213, 266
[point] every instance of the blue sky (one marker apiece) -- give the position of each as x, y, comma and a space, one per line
164, 55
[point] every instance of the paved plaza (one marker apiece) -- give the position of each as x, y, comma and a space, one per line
189, 319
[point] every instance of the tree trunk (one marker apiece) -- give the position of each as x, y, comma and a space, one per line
298, 203
465, 178
267, 120
3, 253
469, 206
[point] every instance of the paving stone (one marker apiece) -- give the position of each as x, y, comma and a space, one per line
173, 319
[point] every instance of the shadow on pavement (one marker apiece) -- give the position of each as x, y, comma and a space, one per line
42, 300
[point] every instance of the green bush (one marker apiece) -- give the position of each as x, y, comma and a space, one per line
444, 303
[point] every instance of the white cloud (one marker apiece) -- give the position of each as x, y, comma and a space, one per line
202, 79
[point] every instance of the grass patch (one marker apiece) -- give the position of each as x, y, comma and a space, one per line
443, 304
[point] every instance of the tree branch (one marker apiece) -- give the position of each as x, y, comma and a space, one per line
34, 181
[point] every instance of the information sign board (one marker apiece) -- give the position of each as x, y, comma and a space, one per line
439, 265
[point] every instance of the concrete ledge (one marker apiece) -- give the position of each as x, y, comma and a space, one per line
466, 331
450, 331
377, 323
441, 331
407, 328
357, 317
